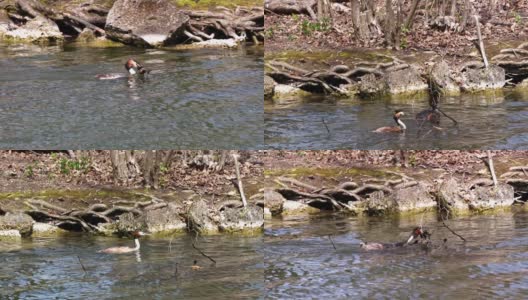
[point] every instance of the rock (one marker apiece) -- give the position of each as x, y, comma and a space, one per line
441, 75
371, 85
407, 80
166, 220
415, 198
11, 234
282, 90
129, 222
38, 30
273, 201
248, 218
146, 23
267, 213
200, 219
477, 79
87, 35
17, 221
487, 197
378, 204
45, 229
5, 23
269, 85
448, 197
297, 208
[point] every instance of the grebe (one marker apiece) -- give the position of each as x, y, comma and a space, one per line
134, 67
416, 233
399, 129
118, 250
195, 266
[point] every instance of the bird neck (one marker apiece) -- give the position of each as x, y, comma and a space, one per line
137, 244
400, 123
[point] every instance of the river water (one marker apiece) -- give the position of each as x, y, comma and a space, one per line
301, 262
492, 121
209, 98
49, 268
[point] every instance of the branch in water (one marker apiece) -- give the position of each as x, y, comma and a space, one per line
201, 252
326, 125
452, 231
330, 238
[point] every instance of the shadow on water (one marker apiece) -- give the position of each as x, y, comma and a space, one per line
46, 268
300, 260
485, 121
50, 98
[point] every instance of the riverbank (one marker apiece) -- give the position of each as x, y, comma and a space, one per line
380, 183
43, 193
149, 24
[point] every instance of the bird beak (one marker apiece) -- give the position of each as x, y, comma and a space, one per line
132, 71
410, 239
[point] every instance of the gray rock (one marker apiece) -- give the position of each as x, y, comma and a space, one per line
200, 218
146, 23
165, 220
297, 208
17, 221
477, 79
371, 85
441, 75
488, 197
248, 218
378, 204
38, 30
415, 198
273, 200
269, 84
10, 235
87, 35
129, 222
407, 80
45, 229
448, 197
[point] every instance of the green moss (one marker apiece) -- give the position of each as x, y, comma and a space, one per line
206, 4
84, 194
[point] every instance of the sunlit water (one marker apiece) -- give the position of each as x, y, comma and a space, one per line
48, 268
301, 262
484, 121
50, 98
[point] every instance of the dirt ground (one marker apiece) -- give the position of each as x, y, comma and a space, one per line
288, 32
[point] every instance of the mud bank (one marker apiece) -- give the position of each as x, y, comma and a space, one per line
138, 23
374, 73
371, 191
118, 211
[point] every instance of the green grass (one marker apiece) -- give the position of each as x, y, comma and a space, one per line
205, 4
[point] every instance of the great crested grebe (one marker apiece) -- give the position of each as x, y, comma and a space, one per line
416, 233
195, 266
134, 67
118, 250
398, 129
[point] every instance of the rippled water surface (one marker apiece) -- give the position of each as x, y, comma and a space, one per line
49, 269
494, 121
50, 98
301, 262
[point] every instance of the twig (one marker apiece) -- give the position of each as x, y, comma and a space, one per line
80, 262
326, 125
492, 169
452, 231
481, 43
330, 238
202, 253
240, 188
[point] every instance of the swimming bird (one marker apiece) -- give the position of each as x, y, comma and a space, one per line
195, 266
430, 115
397, 129
134, 67
415, 234
119, 250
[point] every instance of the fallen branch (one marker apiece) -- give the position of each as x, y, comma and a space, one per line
240, 187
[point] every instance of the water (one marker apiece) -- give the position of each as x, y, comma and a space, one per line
49, 269
209, 98
485, 122
301, 262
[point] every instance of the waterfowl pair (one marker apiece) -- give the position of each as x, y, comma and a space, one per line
413, 239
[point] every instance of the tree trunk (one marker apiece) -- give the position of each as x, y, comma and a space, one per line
408, 23
355, 6
389, 24
124, 165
